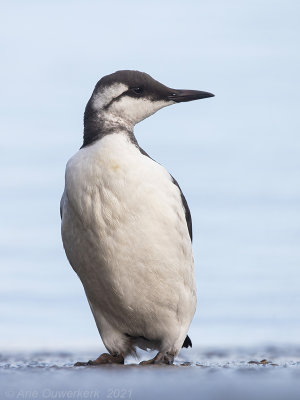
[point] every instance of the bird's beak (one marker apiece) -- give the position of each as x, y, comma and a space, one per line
180, 96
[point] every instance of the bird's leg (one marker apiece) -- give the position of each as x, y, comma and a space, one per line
105, 358
160, 358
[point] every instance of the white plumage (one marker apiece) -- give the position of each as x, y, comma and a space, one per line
125, 232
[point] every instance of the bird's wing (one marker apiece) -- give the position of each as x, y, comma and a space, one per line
62, 204
188, 216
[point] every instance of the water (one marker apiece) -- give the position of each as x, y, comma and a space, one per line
246, 242
230, 374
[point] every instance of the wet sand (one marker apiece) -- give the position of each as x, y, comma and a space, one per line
270, 373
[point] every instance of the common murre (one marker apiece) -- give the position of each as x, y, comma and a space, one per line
126, 226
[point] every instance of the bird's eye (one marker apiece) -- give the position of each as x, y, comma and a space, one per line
137, 90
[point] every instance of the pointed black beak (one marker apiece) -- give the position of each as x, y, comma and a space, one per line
180, 96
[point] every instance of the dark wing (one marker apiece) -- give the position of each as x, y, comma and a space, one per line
187, 341
188, 216
62, 204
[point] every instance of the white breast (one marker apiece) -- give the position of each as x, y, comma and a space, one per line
125, 234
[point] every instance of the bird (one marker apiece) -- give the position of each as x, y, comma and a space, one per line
126, 226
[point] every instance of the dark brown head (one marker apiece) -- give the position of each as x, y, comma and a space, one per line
124, 98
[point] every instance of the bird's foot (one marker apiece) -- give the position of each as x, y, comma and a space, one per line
105, 358
160, 358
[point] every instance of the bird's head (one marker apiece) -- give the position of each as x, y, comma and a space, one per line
124, 98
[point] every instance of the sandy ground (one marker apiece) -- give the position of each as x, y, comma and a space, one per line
213, 374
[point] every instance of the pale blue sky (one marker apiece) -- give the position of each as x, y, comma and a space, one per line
236, 156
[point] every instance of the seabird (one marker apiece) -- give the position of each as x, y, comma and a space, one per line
126, 226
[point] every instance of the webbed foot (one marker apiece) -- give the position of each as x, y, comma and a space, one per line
105, 358
160, 358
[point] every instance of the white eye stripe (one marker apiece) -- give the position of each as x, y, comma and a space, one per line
115, 99
119, 105
105, 96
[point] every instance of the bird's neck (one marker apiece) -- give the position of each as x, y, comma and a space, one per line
98, 124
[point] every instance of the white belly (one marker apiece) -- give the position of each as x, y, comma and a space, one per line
125, 234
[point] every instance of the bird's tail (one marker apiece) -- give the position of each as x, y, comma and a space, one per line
187, 342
